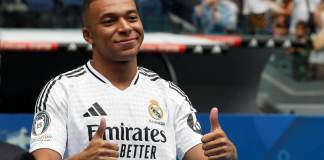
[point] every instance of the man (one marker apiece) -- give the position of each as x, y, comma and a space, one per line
216, 16
299, 55
255, 12
141, 115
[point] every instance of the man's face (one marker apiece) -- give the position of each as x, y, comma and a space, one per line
300, 31
114, 29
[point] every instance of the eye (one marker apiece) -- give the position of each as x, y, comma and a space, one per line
132, 18
108, 21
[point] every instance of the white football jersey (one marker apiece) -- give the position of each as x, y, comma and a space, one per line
151, 119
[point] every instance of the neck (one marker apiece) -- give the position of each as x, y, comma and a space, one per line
120, 74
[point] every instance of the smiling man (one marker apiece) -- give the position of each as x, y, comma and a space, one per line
112, 109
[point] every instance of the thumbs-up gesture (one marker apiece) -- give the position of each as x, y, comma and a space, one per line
216, 144
98, 148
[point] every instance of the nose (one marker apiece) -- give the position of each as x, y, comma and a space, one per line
124, 26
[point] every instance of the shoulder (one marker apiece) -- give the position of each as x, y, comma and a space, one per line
56, 89
60, 83
148, 74
151, 79
68, 77
177, 94
167, 88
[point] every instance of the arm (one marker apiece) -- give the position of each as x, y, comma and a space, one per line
195, 153
49, 133
50, 116
216, 145
97, 149
46, 154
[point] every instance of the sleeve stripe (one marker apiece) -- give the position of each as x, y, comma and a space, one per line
74, 71
177, 89
48, 91
77, 75
173, 86
42, 95
145, 70
39, 97
42, 99
45, 94
155, 78
148, 75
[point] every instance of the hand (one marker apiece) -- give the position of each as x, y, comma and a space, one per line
216, 144
98, 149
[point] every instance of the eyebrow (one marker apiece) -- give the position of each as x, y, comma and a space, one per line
113, 14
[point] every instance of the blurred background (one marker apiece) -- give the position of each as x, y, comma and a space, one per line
261, 62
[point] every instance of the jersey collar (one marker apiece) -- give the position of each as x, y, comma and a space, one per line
103, 79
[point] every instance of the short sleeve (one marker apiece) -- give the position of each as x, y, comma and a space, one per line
49, 124
187, 128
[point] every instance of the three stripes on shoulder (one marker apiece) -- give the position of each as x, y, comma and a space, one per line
148, 73
42, 99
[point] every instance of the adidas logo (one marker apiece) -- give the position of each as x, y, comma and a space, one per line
95, 110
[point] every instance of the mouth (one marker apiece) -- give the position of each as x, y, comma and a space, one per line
125, 41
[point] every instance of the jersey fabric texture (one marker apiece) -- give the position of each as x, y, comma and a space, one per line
151, 119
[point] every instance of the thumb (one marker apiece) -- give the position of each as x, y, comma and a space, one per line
214, 124
101, 129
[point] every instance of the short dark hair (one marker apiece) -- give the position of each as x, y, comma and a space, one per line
302, 24
85, 7
86, 4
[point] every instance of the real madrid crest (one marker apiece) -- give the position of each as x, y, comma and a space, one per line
155, 110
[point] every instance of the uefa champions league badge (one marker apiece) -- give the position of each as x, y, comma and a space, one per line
193, 123
41, 123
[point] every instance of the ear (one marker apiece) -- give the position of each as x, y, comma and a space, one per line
87, 35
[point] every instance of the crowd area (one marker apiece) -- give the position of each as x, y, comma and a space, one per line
300, 20
274, 17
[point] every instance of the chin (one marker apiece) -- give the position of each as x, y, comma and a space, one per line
128, 55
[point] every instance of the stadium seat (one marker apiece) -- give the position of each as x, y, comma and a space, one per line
72, 2
37, 5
